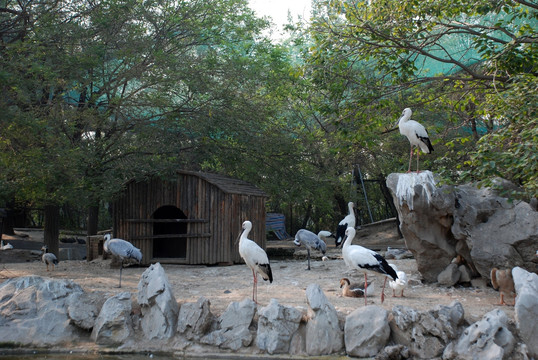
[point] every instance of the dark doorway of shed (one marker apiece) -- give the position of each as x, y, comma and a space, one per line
168, 244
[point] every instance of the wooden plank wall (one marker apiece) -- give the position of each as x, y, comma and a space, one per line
198, 199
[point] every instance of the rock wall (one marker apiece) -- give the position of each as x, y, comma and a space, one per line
42, 312
441, 222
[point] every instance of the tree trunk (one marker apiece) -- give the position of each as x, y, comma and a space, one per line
93, 220
52, 228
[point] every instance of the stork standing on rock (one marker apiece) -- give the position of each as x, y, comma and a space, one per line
358, 257
122, 249
416, 134
255, 258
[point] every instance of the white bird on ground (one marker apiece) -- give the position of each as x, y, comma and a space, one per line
348, 221
48, 258
8, 246
255, 258
122, 249
400, 283
311, 241
358, 257
416, 134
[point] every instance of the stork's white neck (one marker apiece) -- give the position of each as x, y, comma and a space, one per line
406, 115
350, 207
349, 237
246, 230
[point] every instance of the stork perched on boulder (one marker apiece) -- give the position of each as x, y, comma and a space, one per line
416, 134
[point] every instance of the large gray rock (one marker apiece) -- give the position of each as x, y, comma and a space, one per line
33, 311
158, 304
113, 326
427, 333
83, 308
195, 319
366, 331
439, 223
276, 327
234, 326
323, 333
449, 276
526, 308
487, 339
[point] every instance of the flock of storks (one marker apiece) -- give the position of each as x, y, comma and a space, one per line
355, 256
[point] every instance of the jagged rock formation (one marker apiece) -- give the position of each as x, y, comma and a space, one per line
441, 222
40, 307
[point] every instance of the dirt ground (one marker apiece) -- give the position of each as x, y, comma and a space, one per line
224, 284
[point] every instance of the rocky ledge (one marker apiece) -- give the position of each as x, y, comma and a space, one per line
41, 312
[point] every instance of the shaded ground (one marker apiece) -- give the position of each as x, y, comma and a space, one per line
224, 284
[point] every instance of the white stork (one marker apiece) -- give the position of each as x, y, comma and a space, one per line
400, 283
122, 249
48, 258
255, 258
358, 257
348, 221
416, 134
311, 241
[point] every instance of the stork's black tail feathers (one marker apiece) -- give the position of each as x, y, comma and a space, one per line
267, 273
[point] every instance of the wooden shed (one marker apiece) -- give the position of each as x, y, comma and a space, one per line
195, 218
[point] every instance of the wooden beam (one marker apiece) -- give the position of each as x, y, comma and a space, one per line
165, 220
164, 236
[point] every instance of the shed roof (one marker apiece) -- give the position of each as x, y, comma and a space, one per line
227, 184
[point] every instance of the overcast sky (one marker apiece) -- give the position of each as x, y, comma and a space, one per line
278, 10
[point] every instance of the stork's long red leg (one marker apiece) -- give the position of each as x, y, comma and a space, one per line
254, 286
418, 156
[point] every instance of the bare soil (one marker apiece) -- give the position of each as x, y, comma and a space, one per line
225, 284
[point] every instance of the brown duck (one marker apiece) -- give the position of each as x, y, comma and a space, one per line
353, 290
502, 281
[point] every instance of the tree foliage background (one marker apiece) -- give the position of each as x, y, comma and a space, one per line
97, 93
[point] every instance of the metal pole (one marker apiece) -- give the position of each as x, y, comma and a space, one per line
365, 196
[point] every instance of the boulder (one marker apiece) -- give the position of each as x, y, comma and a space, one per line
427, 333
323, 333
488, 338
113, 326
83, 308
33, 311
276, 327
366, 331
485, 229
234, 326
449, 276
158, 305
526, 308
195, 319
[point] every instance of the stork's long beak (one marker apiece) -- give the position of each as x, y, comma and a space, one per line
238, 237
394, 128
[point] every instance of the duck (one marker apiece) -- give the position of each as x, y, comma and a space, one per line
502, 280
355, 289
